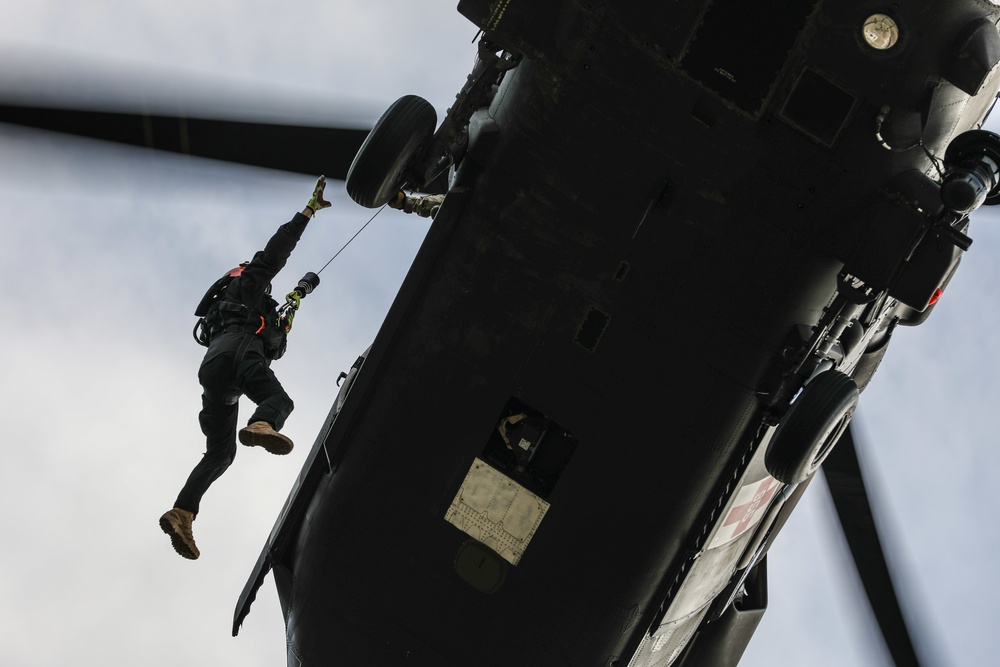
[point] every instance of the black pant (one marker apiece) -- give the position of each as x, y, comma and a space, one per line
222, 386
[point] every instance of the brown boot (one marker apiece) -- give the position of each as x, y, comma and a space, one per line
177, 524
262, 434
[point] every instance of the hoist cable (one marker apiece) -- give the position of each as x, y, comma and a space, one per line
351, 239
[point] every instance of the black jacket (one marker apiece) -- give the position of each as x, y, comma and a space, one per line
251, 289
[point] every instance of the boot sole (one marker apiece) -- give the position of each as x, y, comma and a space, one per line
177, 540
272, 443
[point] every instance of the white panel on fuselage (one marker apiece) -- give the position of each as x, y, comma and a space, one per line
497, 511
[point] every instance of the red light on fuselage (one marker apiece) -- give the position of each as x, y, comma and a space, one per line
937, 295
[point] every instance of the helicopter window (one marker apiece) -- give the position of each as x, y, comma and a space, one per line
733, 60
529, 447
818, 107
590, 331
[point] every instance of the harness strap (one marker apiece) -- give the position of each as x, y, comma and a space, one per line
231, 306
242, 351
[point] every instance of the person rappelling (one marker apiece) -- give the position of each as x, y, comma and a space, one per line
244, 329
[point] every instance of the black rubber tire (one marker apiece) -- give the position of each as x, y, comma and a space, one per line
811, 427
376, 174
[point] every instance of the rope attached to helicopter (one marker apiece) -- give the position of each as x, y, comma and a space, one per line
309, 282
425, 206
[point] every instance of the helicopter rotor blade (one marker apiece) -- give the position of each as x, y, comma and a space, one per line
294, 148
843, 474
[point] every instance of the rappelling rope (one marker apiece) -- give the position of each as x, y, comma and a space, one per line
286, 313
351, 239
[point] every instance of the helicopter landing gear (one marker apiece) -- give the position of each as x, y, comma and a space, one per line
811, 427
379, 169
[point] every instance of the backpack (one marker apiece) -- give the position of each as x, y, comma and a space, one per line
211, 311
215, 314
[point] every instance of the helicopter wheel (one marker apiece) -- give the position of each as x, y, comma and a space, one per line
376, 174
811, 427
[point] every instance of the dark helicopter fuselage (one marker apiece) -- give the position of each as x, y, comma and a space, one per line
665, 221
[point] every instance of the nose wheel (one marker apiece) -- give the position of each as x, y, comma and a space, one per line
811, 427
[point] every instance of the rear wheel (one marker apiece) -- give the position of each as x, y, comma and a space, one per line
811, 427
377, 172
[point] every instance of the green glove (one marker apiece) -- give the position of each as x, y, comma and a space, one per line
317, 202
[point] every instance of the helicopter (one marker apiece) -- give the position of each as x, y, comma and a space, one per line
491, 256
501, 142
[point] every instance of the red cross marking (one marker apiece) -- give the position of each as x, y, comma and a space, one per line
744, 514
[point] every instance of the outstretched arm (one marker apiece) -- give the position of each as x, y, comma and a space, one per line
267, 262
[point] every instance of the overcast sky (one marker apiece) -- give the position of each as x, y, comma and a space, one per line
106, 250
